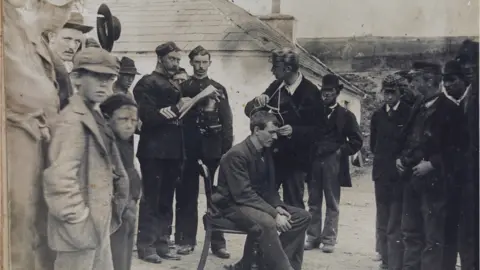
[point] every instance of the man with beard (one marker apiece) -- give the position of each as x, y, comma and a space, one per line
160, 152
420, 166
385, 127
452, 122
32, 105
126, 76
297, 103
330, 169
208, 135
467, 56
247, 196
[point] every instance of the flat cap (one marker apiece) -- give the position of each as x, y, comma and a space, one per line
394, 82
115, 102
96, 60
426, 67
167, 48
196, 51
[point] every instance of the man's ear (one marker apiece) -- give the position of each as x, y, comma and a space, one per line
191, 62
51, 37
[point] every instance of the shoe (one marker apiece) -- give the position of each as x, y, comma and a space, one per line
377, 257
235, 266
171, 244
169, 255
149, 255
185, 249
309, 245
328, 248
221, 253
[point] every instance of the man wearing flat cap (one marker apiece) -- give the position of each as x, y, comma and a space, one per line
32, 105
126, 76
420, 166
160, 152
385, 126
208, 135
330, 169
86, 186
297, 103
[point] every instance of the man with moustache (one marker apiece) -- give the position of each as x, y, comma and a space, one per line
420, 167
126, 76
31, 107
247, 195
297, 103
208, 135
330, 170
160, 152
385, 127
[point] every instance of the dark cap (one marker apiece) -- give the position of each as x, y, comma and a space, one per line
393, 82
115, 102
91, 42
96, 60
127, 66
331, 81
76, 22
166, 48
453, 67
426, 67
468, 52
196, 51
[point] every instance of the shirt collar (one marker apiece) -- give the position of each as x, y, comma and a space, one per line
456, 101
387, 107
293, 87
429, 103
256, 143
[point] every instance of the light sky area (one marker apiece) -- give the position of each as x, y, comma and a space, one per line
344, 18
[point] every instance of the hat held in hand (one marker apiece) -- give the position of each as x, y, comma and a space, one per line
108, 27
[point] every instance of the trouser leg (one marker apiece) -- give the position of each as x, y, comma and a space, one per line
468, 230
383, 195
293, 240
394, 232
315, 200
412, 228
331, 187
434, 213
451, 228
293, 183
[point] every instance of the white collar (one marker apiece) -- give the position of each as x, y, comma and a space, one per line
456, 101
430, 103
333, 109
387, 107
68, 66
292, 87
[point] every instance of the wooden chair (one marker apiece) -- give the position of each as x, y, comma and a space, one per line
214, 222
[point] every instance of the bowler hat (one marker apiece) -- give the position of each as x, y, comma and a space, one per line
108, 27
331, 81
127, 65
76, 22
166, 48
453, 68
96, 60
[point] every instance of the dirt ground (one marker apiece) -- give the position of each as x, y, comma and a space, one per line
356, 241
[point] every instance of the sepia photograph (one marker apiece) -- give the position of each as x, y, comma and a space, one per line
240, 135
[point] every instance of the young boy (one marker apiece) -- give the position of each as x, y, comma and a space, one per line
85, 185
122, 115
386, 124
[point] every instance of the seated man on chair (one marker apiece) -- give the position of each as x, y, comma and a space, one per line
247, 196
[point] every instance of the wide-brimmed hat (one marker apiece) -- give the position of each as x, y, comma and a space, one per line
76, 22
127, 66
331, 81
108, 27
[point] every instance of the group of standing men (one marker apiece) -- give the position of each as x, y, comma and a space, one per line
426, 165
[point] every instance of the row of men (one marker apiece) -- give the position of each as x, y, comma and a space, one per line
425, 165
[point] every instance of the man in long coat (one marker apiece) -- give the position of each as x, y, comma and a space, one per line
297, 103
32, 105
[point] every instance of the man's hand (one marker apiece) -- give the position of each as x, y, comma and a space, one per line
422, 168
262, 100
183, 102
285, 130
283, 224
399, 165
283, 212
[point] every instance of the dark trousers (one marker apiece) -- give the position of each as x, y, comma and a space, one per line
292, 181
423, 225
158, 179
187, 205
324, 181
121, 243
388, 198
280, 252
468, 228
